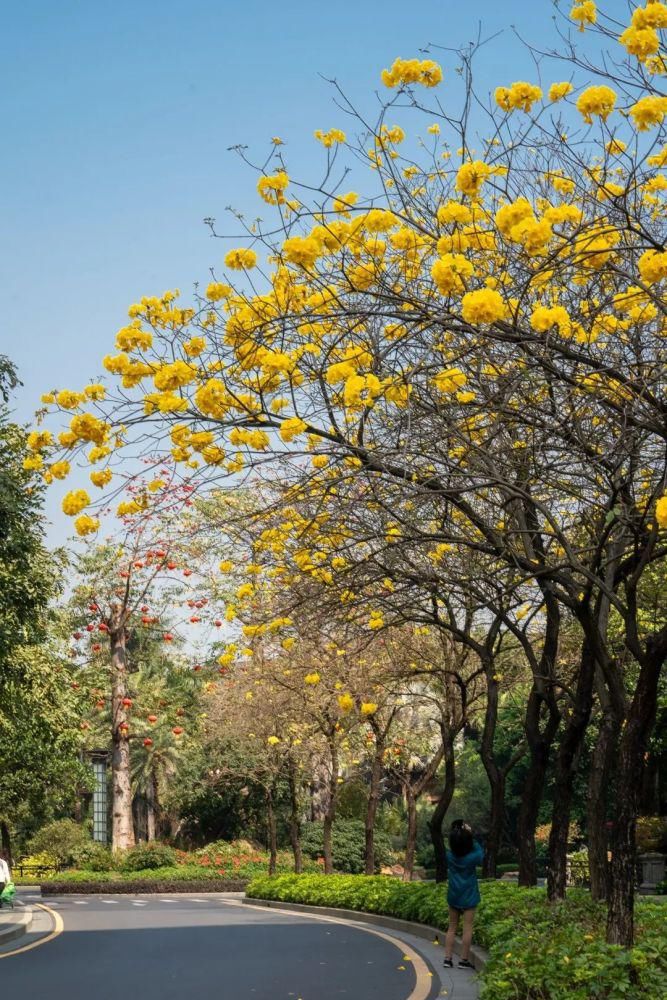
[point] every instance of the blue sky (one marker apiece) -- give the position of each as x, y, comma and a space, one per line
117, 120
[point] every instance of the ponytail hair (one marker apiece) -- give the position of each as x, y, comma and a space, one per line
460, 838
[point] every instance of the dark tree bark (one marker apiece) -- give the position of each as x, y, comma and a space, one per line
294, 818
539, 741
496, 774
377, 769
271, 824
442, 805
411, 836
632, 747
330, 812
413, 790
566, 769
151, 807
598, 786
539, 737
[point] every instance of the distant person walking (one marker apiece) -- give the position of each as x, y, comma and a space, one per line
463, 896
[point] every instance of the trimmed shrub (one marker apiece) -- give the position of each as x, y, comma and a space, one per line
148, 856
348, 843
130, 887
93, 857
60, 839
536, 950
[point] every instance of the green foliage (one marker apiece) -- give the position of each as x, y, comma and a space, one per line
148, 856
580, 868
651, 833
94, 857
37, 860
61, 839
348, 843
27, 571
40, 769
219, 860
537, 951
352, 800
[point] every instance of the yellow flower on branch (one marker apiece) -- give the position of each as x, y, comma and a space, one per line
408, 71
557, 91
483, 306
599, 101
345, 702
240, 259
272, 188
74, 502
519, 96
86, 525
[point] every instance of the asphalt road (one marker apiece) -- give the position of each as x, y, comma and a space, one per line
175, 947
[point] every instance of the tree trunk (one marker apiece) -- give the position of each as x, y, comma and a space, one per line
273, 839
598, 784
330, 813
632, 747
566, 769
318, 793
372, 808
539, 743
294, 820
496, 824
151, 807
495, 775
122, 831
411, 838
442, 805
5, 843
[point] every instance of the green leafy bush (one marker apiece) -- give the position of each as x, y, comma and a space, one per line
179, 873
155, 881
39, 860
580, 871
147, 857
348, 843
93, 857
651, 834
61, 839
537, 951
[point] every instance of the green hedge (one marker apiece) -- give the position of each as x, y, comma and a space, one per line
180, 873
143, 885
536, 951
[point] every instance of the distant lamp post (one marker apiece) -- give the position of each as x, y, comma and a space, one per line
98, 760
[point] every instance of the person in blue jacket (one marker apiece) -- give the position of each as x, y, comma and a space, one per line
463, 856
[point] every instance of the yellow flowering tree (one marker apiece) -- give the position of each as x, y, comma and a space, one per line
478, 334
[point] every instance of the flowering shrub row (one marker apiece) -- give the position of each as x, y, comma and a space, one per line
536, 951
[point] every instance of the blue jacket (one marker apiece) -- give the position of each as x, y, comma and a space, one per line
462, 888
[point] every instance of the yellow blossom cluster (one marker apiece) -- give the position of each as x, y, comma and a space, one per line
520, 96
272, 188
598, 100
408, 71
74, 502
330, 138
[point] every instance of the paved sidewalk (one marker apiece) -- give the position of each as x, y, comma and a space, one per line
14, 923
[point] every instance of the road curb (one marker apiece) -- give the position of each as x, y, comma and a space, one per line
478, 956
15, 928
